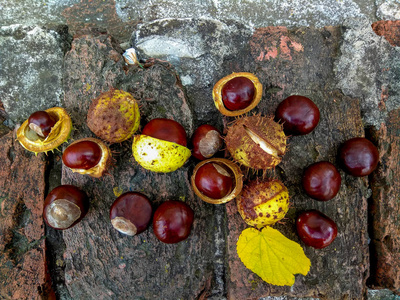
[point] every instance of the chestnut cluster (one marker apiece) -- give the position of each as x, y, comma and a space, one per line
255, 142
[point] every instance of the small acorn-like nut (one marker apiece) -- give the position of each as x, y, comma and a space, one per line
162, 146
256, 142
87, 156
237, 93
205, 180
40, 139
131, 213
114, 116
65, 206
263, 203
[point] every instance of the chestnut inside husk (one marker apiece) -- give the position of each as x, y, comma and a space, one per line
59, 133
218, 89
232, 168
95, 171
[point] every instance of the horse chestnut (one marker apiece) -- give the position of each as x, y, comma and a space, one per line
172, 221
206, 142
114, 116
87, 156
166, 130
213, 180
41, 122
358, 156
39, 134
298, 114
256, 142
130, 213
316, 229
263, 203
221, 184
237, 93
321, 181
65, 206
162, 146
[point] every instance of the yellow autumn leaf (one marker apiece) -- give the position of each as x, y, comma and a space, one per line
272, 256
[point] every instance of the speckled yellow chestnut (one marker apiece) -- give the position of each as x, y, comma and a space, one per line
263, 203
59, 133
159, 155
114, 116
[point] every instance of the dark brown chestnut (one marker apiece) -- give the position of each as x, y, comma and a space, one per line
41, 123
298, 114
316, 229
83, 155
65, 206
213, 180
167, 130
172, 221
206, 141
321, 181
238, 93
131, 213
358, 156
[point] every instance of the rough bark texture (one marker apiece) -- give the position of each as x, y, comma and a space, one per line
385, 207
100, 262
23, 269
295, 71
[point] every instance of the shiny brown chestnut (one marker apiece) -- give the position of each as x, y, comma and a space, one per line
316, 229
206, 141
166, 130
172, 221
237, 93
87, 156
298, 114
41, 123
358, 156
65, 206
213, 180
131, 213
227, 166
321, 181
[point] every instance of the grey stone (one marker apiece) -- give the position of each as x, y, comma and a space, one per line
388, 9
368, 68
196, 47
31, 60
252, 13
382, 295
33, 12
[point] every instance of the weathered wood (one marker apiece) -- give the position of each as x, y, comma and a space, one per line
101, 262
385, 207
290, 62
23, 269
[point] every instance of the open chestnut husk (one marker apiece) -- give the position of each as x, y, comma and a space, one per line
228, 166
131, 213
40, 134
256, 142
65, 206
162, 146
87, 156
237, 93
